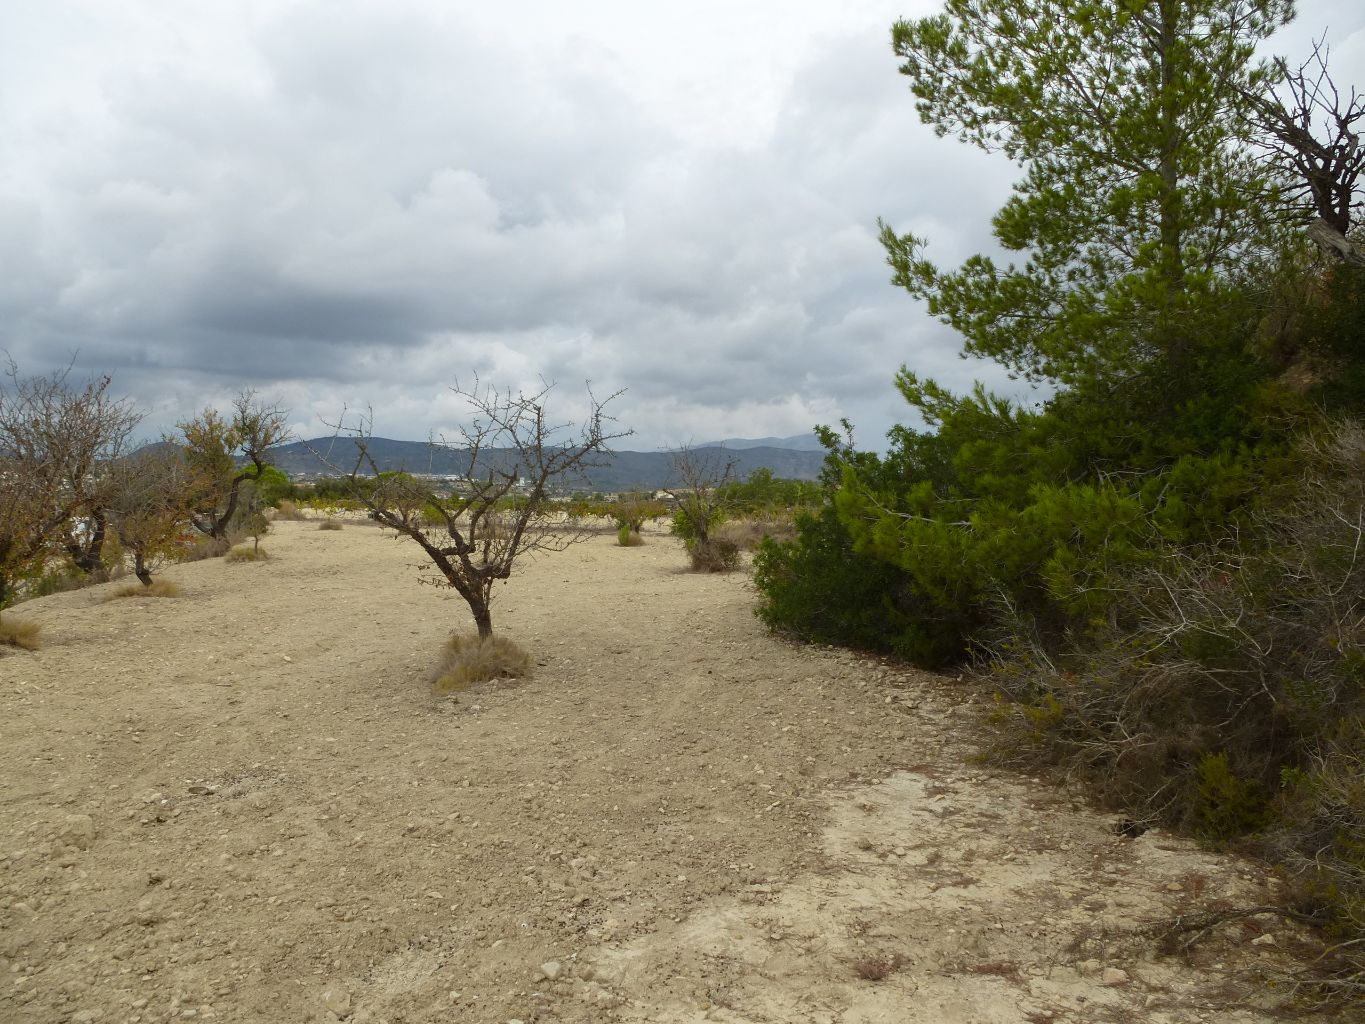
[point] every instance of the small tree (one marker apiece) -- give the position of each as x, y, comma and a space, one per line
699, 478
631, 509
213, 447
149, 499
57, 447
500, 506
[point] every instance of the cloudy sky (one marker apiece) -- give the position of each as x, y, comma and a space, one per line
350, 203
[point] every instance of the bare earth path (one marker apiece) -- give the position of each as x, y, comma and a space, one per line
245, 804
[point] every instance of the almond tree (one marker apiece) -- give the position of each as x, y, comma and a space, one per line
213, 447
57, 446
500, 506
149, 500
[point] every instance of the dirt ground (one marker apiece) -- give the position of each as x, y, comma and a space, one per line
246, 804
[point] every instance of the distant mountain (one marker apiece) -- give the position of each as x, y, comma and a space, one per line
621, 471
796, 443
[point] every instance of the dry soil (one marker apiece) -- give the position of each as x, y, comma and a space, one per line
246, 804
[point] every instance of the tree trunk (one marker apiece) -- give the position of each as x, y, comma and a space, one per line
140, 569
483, 618
1334, 243
1171, 214
88, 556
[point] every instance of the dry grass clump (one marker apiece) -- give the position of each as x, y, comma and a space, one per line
202, 548
286, 509
158, 588
714, 555
878, 968
246, 553
329, 524
468, 660
748, 533
20, 634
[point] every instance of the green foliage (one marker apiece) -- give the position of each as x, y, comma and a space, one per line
1136, 202
818, 588
763, 494
1226, 806
274, 486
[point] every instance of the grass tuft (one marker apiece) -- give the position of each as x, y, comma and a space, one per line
202, 548
714, 555
877, 968
158, 588
286, 509
329, 524
20, 634
246, 553
467, 660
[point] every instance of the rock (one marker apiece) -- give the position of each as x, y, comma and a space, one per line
78, 830
1263, 940
337, 1000
1114, 977
551, 970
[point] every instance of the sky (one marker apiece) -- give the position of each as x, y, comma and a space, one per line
355, 204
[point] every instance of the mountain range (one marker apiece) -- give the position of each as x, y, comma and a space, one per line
623, 470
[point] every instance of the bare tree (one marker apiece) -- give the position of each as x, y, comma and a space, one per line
57, 446
1314, 133
698, 479
499, 508
213, 447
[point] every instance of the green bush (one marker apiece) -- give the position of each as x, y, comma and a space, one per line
818, 588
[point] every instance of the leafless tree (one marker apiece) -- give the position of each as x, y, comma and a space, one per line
213, 447
57, 446
499, 508
1314, 132
698, 479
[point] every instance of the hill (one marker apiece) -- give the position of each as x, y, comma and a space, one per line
620, 471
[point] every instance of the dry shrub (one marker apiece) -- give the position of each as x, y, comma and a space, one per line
468, 660
286, 509
877, 968
14, 633
158, 588
1227, 696
329, 524
246, 553
748, 533
714, 555
203, 547
628, 538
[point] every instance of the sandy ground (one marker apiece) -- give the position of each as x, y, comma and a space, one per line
246, 804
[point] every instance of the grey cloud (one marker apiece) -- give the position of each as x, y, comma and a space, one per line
351, 203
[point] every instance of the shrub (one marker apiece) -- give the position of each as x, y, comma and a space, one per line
628, 538
329, 524
714, 555
14, 633
468, 660
160, 588
287, 510
246, 553
201, 548
1224, 693
749, 533
818, 588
